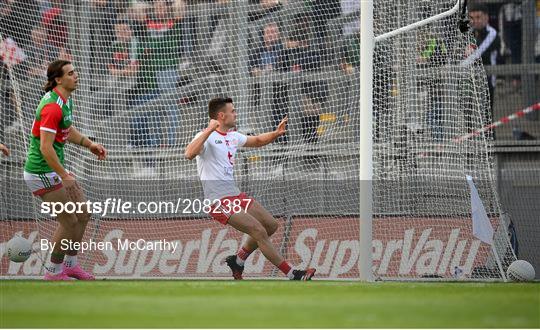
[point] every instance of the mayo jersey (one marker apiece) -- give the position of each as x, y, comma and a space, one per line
215, 164
54, 114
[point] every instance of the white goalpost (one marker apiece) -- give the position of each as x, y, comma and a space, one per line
367, 47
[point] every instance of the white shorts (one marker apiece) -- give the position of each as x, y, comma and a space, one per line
39, 184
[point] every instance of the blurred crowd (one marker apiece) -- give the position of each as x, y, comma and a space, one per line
152, 43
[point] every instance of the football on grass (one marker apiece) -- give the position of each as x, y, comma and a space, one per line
520, 271
19, 249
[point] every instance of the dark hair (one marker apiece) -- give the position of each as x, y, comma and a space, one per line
478, 7
216, 105
55, 70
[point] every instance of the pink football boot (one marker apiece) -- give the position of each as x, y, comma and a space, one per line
57, 277
78, 273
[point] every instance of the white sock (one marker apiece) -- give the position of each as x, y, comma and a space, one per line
70, 261
54, 268
290, 274
239, 261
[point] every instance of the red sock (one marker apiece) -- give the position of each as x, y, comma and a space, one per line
285, 267
243, 253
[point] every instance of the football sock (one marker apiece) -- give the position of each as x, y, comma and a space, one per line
242, 255
55, 264
70, 261
286, 268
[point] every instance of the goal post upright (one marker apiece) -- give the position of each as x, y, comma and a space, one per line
367, 46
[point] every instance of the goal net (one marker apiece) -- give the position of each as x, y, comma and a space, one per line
147, 71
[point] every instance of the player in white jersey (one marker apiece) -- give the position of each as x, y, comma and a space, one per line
215, 149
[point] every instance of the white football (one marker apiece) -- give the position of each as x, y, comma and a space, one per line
520, 271
19, 249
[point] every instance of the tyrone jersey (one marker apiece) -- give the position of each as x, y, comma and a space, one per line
215, 164
53, 115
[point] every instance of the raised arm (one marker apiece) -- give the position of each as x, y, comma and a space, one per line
265, 138
195, 147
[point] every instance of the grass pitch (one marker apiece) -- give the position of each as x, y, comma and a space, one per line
268, 304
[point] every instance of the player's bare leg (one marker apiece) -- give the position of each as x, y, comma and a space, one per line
72, 267
66, 229
247, 224
257, 211
76, 194
236, 262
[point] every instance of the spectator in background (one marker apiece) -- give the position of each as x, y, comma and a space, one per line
510, 29
17, 19
314, 94
143, 131
164, 44
350, 61
487, 43
14, 44
320, 13
53, 20
38, 53
432, 56
220, 36
124, 60
301, 54
267, 7
123, 65
39, 56
101, 38
270, 56
267, 58
138, 15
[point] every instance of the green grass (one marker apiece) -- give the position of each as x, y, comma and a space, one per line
274, 304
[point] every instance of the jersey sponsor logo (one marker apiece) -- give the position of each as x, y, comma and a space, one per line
68, 118
218, 141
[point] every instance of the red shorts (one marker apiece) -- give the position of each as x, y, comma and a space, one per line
230, 205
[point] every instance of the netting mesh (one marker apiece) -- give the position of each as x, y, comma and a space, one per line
147, 70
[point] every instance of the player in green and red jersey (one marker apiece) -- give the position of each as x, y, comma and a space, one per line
44, 170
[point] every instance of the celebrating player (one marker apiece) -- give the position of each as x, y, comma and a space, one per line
215, 149
44, 170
